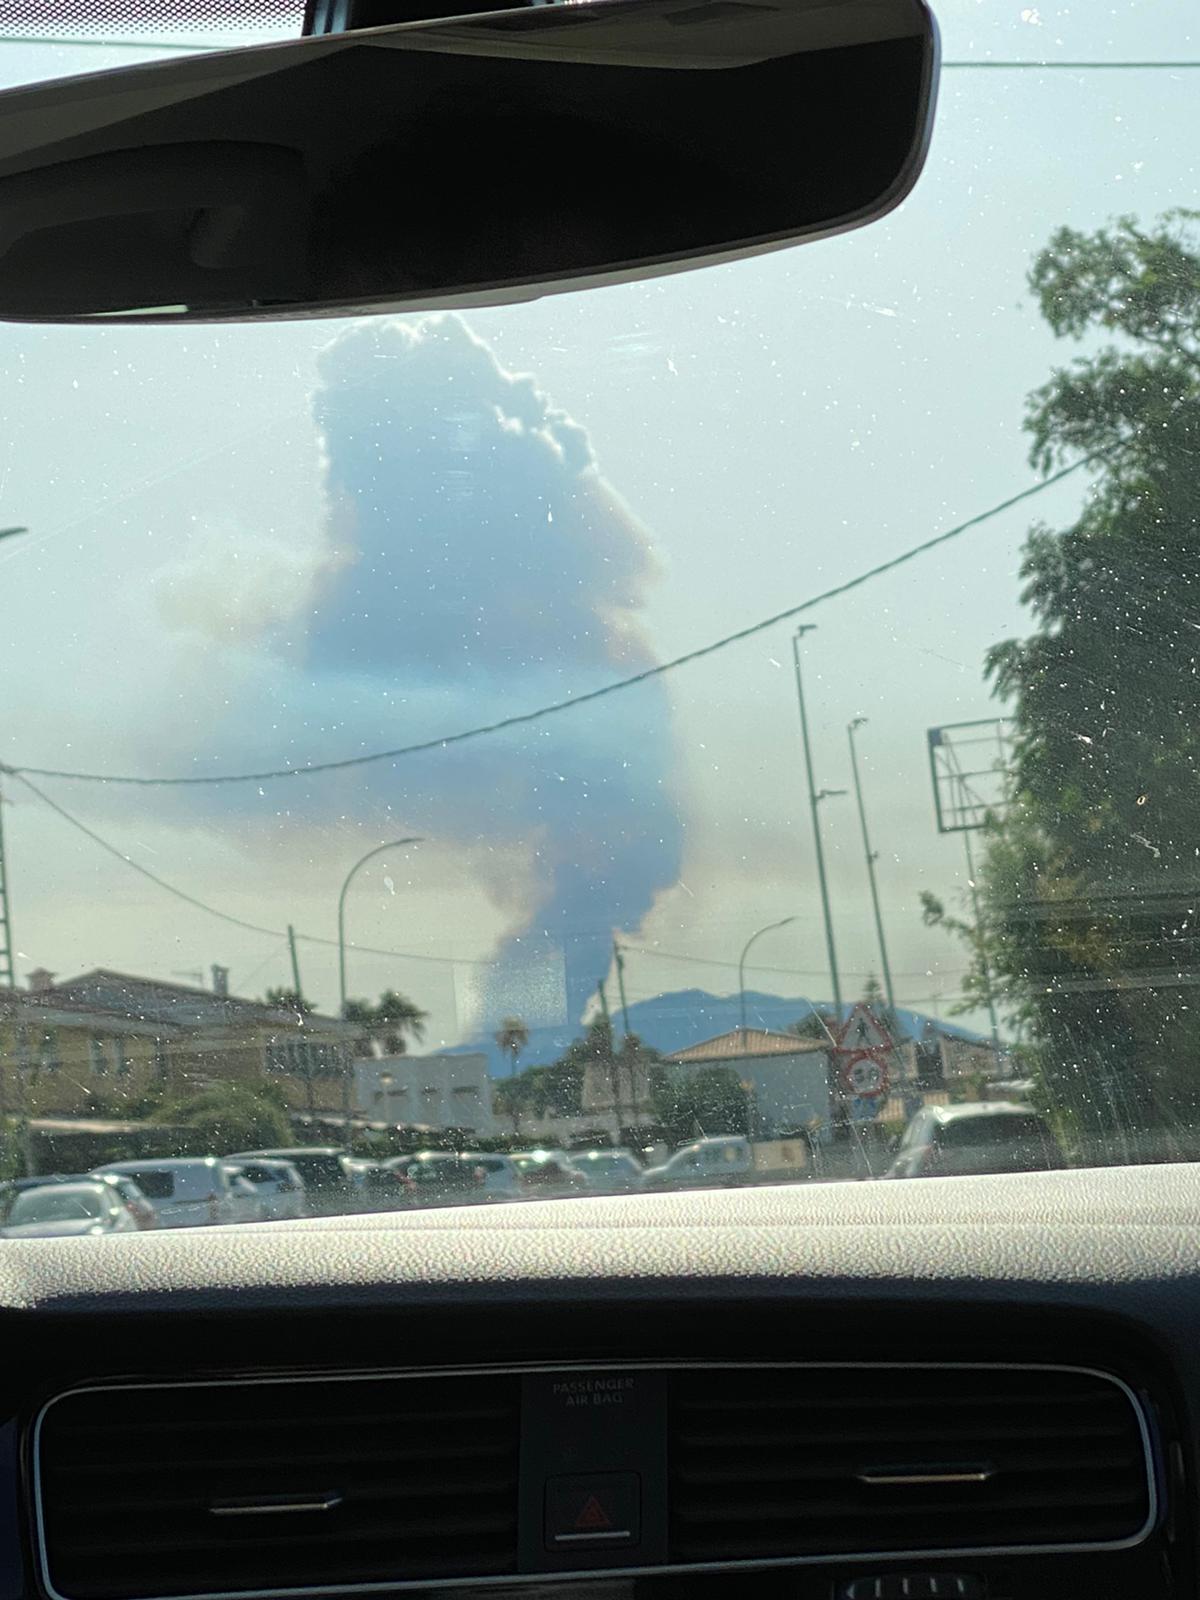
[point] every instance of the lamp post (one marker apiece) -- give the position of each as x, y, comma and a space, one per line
757, 934
348, 1074
871, 855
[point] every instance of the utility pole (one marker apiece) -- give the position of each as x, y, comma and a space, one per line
614, 1071
631, 1063
987, 969
619, 958
7, 973
814, 801
872, 856
295, 961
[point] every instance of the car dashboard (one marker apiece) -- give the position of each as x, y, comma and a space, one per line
976, 1387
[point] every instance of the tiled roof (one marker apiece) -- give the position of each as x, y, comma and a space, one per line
742, 1042
154, 1000
51, 1006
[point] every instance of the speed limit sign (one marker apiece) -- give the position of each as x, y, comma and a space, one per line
864, 1076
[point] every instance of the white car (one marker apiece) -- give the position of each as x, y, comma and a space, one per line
981, 1136
192, 1191
60, 1210
716, 1161
613, 1171
278, 1185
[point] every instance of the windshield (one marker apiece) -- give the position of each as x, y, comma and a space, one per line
752, 704
54, 1204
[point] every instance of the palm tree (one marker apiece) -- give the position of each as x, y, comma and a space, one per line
511, 1038
391, 1023
289, 1000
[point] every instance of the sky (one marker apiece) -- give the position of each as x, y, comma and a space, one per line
258, 546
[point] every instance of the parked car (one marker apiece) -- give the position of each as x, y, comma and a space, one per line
278, 1185
132, 1198
58, 1210
720, 1160
191, 1191
436, 1177
548, 1173
383, 1185
501, 1180
329, 1189
608, 1171
130, 1194
982, 1136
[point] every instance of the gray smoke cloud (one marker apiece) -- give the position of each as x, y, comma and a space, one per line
477, 564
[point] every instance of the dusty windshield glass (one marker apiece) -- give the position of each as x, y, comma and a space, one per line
710, 722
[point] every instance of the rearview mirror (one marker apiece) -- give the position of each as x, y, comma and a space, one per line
482, 160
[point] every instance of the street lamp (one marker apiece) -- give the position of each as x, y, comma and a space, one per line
872, 856
379, 850
757, 934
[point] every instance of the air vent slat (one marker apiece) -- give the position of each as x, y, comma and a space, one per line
420, 1473
771, 1463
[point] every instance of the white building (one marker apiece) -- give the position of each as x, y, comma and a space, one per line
787, 1078
440, 1091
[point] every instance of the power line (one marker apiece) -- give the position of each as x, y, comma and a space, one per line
524, 718
784, 972
226, 916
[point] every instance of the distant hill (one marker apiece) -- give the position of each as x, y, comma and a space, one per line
669, 1022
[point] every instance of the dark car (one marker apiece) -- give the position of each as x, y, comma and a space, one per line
434, 1178
328, 1188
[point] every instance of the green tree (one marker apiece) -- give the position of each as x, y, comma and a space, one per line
557, 1089
695, 1104
1100, 836
223, 1117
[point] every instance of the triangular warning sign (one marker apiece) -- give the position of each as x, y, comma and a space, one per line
862, 1031
593, 1516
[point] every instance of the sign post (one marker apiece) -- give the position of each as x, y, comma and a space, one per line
861, 1063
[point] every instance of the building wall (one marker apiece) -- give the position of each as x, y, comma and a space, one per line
57, 1069
435, 1091
308, 1066
69, 1069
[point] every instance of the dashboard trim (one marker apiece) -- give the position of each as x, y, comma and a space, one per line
840, 1558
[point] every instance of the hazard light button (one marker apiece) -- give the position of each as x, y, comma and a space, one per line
601, 1511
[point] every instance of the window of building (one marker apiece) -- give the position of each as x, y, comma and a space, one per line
48, 1056
97, 1057
121, 1059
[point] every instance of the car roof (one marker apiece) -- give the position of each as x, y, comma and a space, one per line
288, 1153
156, 1164
68, 1188
982, 1108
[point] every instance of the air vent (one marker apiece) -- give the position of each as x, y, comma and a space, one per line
231, 1488
810, 1461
